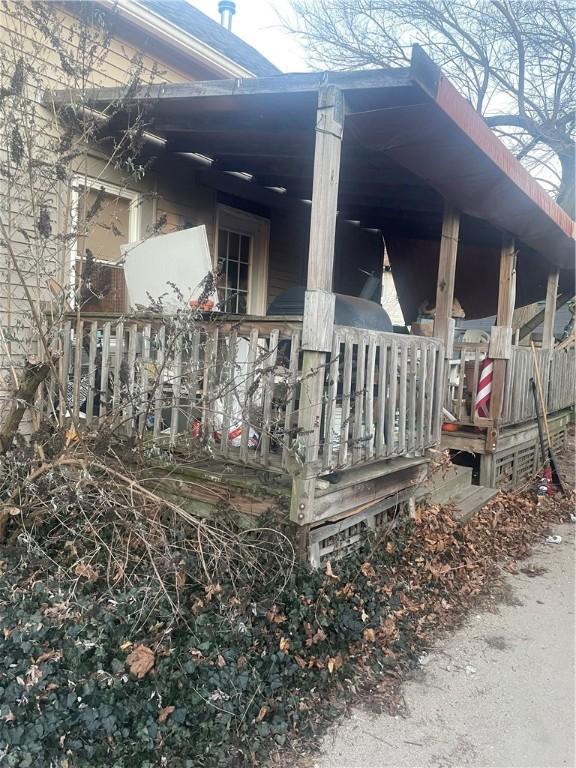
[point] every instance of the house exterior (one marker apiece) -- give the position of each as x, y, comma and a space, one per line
299, 180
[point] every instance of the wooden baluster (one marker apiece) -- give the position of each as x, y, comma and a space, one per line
432, 355
247, 404
369, 427
105, 370
130, 411
381, 443
77, 373
391, 404
91, 372
292, 384
346, 401
230, 384
402, 399
118, 356
269, 365
331, 402
143, 406
176, 389
159, 381
420, 414
358, 426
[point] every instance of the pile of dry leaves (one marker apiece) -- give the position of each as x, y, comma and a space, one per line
95, 682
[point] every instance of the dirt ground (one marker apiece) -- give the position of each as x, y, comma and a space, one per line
499, 692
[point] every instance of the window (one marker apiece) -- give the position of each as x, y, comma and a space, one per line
242, 261
111, 220
234, 250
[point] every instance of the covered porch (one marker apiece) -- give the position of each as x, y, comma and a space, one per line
345, 414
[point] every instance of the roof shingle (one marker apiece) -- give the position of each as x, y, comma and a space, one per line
195, 23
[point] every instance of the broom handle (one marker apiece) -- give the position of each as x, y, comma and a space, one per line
540, 393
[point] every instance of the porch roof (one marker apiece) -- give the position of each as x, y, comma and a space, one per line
410, 143
410, 140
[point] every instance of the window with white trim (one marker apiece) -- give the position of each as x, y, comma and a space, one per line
242, 261
108, 218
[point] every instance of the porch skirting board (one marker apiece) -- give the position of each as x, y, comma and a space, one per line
516, 461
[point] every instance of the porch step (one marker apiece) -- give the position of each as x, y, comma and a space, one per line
471, 500
442, 487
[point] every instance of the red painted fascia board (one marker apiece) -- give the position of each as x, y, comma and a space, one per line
461, 112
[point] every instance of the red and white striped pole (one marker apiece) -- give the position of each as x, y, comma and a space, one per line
482, 404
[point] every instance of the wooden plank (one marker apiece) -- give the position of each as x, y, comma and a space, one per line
176, 389
550, 310
446, 272
331, 404
506, 301
346, 397
391, 404
118, 355
159, 383
318, 323
132, 404
91, 372
402, 399
500, 342
291, 397
369, 410
269, 365
105, 371
341, 500
229, 384
460, 389
64, 366
439, 388
77, 370
194, 366
411, 384
329, 127
421, 390
247, 404
357, 427
144, 382
306, 82
383, 382
211, 388
429, 435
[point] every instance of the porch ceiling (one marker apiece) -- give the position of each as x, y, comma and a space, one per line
410, 143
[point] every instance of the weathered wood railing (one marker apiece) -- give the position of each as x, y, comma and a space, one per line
383, 397
234, 383
558, 374
462, 380
557, 370
231, 381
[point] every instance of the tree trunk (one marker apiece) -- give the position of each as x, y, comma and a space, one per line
33, 375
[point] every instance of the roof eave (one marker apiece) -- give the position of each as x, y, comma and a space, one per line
176, 38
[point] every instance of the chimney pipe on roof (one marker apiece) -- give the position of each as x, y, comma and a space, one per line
226, 9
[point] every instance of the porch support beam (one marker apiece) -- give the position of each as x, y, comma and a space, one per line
443, 323
500, 349
550, 310
318, 320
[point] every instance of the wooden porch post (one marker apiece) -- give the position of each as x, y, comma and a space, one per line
443, 323
550, 310
500, 349
318, 321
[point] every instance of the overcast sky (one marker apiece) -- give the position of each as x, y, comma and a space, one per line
257, 22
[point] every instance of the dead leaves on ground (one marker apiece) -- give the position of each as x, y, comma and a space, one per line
140, 661
165, 713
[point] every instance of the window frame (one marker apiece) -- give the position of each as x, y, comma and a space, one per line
258, 228
134, 221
